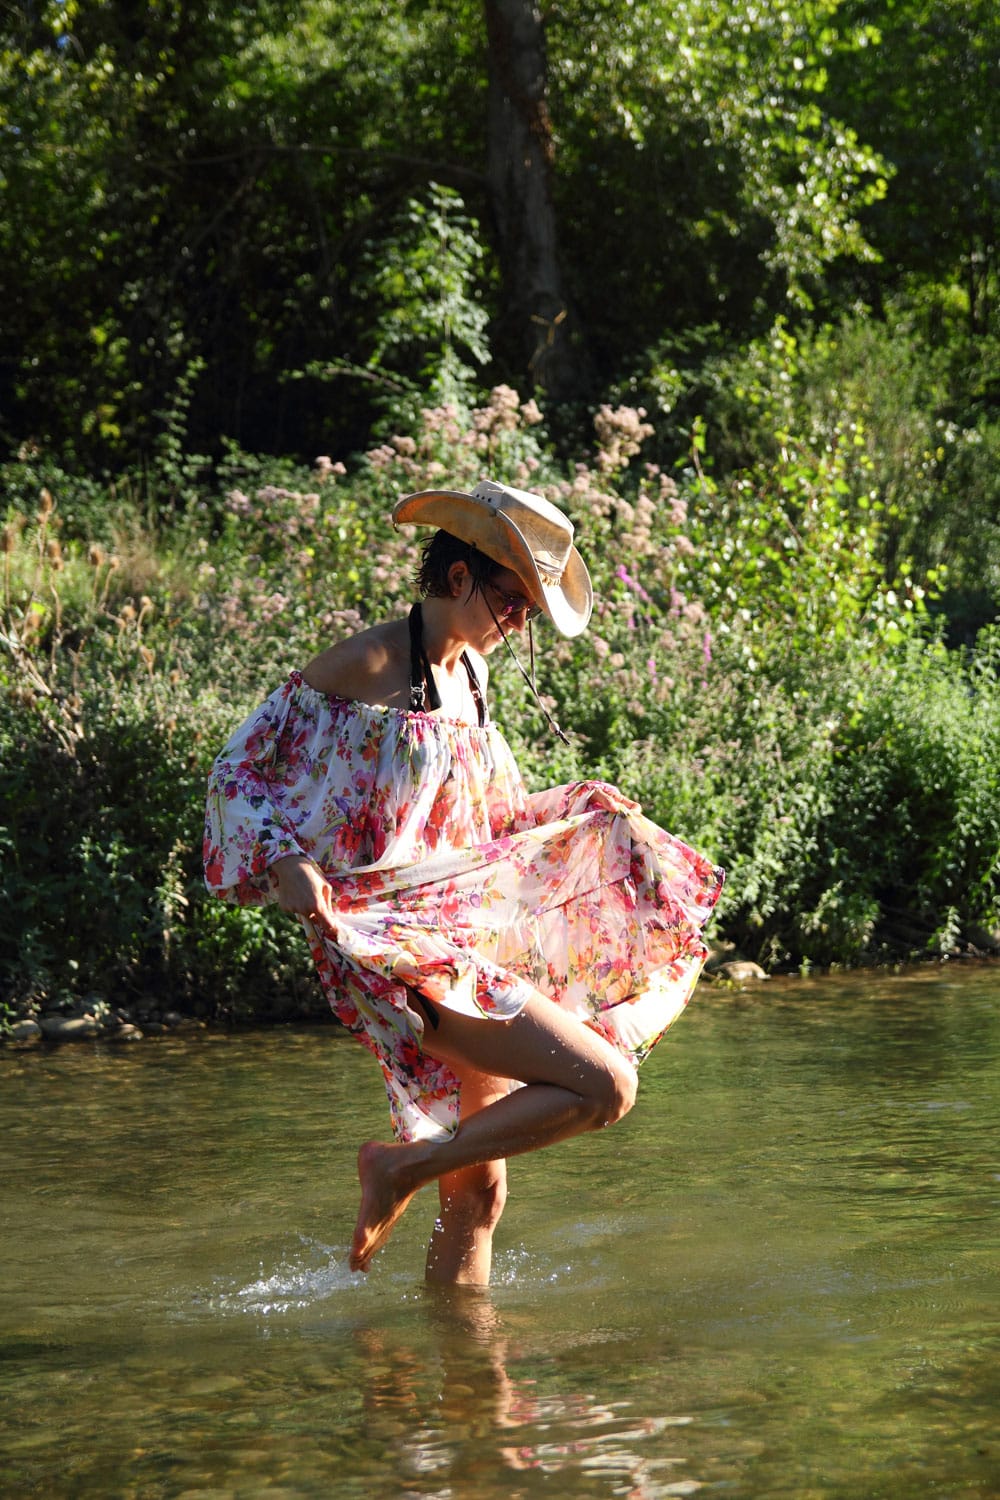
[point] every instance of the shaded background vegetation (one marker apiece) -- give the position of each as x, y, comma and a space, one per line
720, 278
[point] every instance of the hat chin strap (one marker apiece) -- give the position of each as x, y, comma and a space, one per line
531, 661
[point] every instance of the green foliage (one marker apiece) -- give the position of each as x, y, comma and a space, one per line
901, 436
912, 831
100, 815
746, 150
427, 317
203, 209
749, 675
166, 182
424, 279
198, 205
925, 97
105, 742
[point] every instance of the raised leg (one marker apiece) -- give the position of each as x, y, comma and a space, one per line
576, 1082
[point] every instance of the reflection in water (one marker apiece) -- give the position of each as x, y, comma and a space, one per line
469, 1401
451, 1395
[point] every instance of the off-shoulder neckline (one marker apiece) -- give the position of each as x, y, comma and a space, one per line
385, 710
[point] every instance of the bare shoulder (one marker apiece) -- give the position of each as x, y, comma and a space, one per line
370, 667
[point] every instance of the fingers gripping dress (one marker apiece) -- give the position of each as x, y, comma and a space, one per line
450, 878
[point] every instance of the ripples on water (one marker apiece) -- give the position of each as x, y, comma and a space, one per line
318, 1271
777, 1278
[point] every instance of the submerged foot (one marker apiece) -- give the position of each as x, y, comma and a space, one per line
383, 1201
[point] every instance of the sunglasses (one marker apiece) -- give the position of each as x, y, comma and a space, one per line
512, 604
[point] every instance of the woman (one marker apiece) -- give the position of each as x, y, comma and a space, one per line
508, 957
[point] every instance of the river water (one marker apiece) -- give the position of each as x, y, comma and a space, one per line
777, 1277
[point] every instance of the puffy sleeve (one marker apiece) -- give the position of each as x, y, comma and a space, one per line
247, 825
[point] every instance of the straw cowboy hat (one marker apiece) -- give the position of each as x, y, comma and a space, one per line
518, 530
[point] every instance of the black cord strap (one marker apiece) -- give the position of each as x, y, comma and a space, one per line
529, 680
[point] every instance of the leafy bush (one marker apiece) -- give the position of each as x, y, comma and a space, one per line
749, 675
112, 716
906, 420
915, 807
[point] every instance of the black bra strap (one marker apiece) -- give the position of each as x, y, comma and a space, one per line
424, 695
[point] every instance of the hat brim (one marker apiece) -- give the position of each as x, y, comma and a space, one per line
568, 603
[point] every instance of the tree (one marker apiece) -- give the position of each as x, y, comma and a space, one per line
521, 154
705, 178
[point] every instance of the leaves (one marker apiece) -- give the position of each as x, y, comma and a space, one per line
215, 185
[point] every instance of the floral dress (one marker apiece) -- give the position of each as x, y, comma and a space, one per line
451, 879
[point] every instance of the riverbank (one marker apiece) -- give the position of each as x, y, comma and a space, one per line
95, 1019
807, 730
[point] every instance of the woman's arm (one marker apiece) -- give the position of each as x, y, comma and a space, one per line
575, 797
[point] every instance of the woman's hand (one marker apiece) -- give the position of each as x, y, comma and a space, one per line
302, 889
603, 795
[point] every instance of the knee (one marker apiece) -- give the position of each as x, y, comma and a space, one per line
615, 1094
479, 1200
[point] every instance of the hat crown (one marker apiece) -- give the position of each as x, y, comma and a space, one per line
547, 533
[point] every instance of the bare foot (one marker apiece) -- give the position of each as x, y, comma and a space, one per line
383, 1201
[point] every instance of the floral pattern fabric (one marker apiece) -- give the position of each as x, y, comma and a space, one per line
451, 879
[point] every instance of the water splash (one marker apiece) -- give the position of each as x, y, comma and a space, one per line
519, 1267
300, 1281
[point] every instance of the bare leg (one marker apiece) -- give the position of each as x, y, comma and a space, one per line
472, 1199
576, 1082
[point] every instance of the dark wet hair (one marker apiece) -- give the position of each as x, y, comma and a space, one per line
436, 557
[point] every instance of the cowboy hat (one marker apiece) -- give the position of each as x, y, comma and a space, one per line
518, 530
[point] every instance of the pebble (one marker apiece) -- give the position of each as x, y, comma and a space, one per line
25, 1031
987, 939
214, 1385
741, 971
70, 1028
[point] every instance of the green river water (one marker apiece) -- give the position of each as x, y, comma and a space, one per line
778, 1277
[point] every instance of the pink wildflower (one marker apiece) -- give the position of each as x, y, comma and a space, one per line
238, 503
622, 572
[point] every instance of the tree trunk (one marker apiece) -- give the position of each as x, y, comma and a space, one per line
538, 324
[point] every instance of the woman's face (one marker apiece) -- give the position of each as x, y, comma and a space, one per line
505, 600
